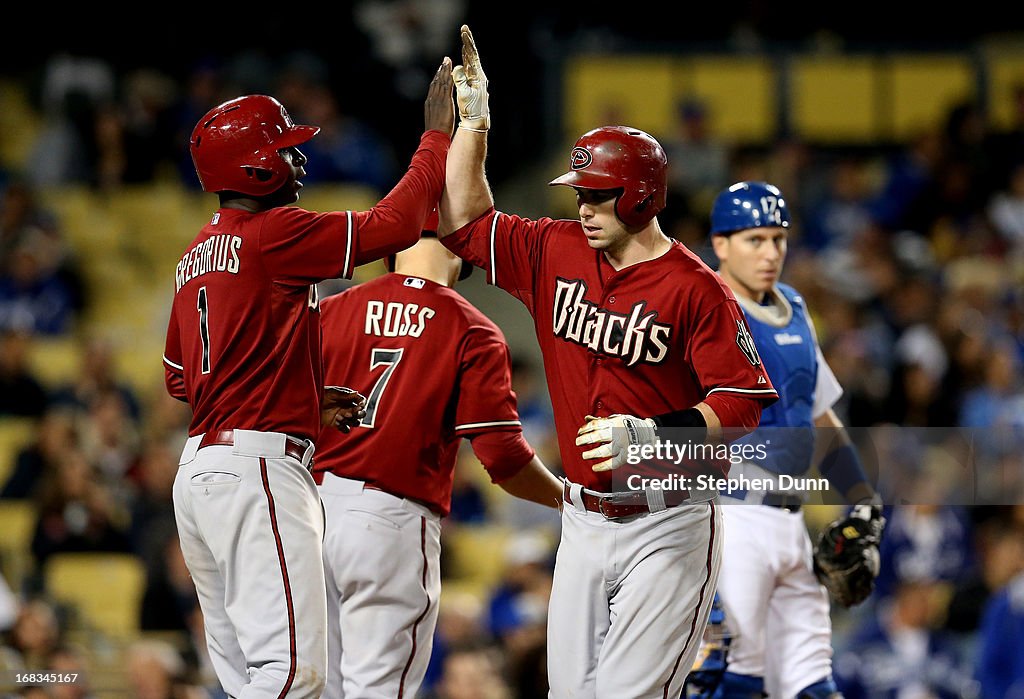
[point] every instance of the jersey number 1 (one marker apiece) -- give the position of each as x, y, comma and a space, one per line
204, 327
388, 358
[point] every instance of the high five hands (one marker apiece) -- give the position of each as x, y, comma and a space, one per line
471, 87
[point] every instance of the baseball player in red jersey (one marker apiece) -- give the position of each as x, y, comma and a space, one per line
243, 349
435, 370
637, 335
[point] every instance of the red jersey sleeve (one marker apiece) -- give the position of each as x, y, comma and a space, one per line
486, 405
486, 402
509, 248
396, 221
174, 369
730, 370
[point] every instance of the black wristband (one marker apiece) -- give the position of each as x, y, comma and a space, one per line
691, 417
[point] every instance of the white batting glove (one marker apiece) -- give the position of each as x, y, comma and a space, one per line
616, 433
471, 87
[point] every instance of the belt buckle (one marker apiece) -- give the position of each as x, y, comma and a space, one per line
613, 499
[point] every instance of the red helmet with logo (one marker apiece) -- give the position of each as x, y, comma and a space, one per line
620, 157
235, 145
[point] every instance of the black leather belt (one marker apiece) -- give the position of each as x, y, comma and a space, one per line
791, 503
625, 504
293, 446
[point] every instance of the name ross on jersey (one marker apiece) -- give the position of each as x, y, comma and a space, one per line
218, 253
396, 319
633, 336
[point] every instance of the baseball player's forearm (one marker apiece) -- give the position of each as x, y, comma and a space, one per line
839, 461
467, 193
396, 221
535, 483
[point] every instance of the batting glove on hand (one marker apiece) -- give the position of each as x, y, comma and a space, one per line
342, 408
471, 87
616, 433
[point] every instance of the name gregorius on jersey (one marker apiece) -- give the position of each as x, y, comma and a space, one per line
633, 336
396, 319
218, 253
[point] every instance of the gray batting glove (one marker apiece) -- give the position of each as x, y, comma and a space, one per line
616, 433
471, 87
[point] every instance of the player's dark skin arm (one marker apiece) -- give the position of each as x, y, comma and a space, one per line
536, 484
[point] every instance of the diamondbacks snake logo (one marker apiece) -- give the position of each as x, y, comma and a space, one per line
580, 158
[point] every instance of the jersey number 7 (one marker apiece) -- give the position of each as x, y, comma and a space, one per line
388, 358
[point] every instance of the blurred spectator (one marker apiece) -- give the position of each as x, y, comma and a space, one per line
33, 292
110, 442
907, 176
21, 393
469, 504
169, 599
460, 622
74, 91
55, 437
68, 659
24, 219
473, 671
838, 217
97, 374
898, 652
1000, 548
1006, 211
999, 401
1000, 662
147, 126
518, 606
77, 513
925, 540
346, 149
698, 158
34, 636
157, 670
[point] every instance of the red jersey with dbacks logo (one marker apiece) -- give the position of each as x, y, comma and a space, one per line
243, 341
433, 369
652, 338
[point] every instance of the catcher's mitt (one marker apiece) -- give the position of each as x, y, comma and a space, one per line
846, 557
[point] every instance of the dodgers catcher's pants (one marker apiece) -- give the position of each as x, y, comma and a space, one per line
774, 606
630, 600
382, 558
250, 525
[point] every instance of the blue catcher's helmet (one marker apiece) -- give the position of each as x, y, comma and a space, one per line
748, 205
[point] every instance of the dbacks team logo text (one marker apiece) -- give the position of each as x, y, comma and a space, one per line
635, 337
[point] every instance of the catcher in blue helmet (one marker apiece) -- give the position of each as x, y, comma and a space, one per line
775, 585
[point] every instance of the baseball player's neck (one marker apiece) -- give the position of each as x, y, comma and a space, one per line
647, 244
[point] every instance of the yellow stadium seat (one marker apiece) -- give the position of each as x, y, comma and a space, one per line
17, 523
477, 554
325, 196
104, 589
55, 360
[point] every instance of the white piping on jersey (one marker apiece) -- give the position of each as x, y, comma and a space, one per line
758, 391
171, 364
778, 314
348, 248
499, 423
494, 267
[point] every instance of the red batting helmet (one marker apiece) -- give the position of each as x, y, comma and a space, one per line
235, 145
620, 157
